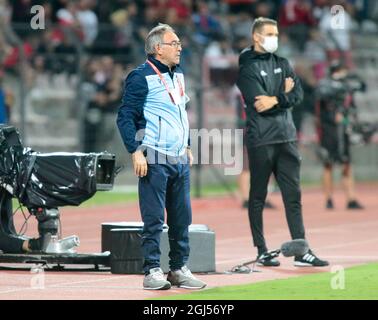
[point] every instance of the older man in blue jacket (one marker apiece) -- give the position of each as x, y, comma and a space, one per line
154, 127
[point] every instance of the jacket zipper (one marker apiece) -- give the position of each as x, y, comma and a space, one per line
183, 131
182, 124
159, 133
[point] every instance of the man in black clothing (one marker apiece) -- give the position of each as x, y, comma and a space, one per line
14, 244
335, 110
10, 241
270, 89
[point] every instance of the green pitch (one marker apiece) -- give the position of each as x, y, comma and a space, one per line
359, 282
113, 197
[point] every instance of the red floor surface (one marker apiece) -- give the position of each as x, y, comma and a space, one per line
343, 237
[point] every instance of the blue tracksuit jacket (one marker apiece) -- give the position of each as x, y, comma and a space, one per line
148, 117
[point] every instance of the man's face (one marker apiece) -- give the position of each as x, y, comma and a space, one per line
267, 30
169, 50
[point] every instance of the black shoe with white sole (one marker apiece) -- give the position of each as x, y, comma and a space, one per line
309, 260
265, 260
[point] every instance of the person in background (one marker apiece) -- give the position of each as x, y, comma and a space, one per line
11, 244
335, 109
5, 101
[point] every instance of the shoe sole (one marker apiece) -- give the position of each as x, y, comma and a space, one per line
190, 288
263, 265
186, 286
304, 264
165, 287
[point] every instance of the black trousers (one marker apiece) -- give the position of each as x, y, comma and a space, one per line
283, 160
10, 243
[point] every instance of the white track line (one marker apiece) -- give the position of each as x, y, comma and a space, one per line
66, 283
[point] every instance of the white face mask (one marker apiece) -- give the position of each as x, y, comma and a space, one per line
270, 43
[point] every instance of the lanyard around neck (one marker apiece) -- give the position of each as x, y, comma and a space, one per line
165, 83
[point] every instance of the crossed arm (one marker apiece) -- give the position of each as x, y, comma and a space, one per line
255, 94
264, 103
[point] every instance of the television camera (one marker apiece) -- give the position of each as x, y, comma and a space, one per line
43, 182
337, 90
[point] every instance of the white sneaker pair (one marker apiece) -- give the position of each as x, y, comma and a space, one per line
182, 278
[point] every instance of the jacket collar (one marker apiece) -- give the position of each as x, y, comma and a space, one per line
161, 66
255, 54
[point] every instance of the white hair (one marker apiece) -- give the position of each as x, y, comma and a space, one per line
155, 37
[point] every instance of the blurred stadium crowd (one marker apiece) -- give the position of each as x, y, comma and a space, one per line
93, 44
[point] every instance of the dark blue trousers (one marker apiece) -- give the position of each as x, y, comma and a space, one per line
166, 186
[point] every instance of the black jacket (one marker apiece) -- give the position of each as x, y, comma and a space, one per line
264, 74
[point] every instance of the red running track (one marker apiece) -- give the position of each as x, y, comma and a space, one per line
343, 237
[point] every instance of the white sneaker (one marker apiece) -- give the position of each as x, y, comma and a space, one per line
183, 278
155, 280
